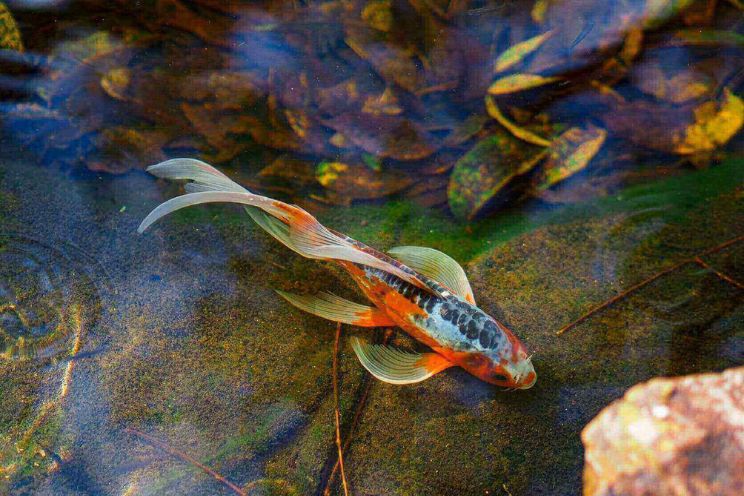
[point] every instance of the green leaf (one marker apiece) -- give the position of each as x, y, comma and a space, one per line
486, 169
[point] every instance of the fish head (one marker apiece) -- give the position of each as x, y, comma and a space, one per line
514, 372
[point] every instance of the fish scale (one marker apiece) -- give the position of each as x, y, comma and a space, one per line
461, 319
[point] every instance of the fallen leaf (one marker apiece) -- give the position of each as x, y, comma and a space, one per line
377, 14
519, 82
486, 169
569, 153
706, 37
386, 103
519, 132
10, 35
518, 52
714, 125
384, 135
358, 181
116, 81
539, 9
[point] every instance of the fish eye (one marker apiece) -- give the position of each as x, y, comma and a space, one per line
499, 377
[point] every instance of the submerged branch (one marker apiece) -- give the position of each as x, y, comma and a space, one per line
720, 274
355, 421
649, 280
186, 458
337, 412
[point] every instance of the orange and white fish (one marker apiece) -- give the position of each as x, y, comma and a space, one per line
421, 290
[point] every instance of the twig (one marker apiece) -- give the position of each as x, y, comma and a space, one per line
651, 279
337, 412
186, 458
723, 276
355, 421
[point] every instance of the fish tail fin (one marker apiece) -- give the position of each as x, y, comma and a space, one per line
289, 224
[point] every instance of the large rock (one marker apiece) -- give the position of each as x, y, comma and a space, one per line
678, 436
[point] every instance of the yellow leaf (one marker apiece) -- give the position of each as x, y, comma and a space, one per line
714, 125
519, 82
516, 53
569, 153
116, 81
378, 15
10, 36
327, 172
539, 10
517, 131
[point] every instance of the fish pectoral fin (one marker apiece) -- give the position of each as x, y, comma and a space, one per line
437, 265
337, 309
395, 366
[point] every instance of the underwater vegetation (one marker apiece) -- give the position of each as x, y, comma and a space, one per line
580, 161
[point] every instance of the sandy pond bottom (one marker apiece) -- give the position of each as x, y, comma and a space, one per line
110, 337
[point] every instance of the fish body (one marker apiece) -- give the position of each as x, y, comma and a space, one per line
420, 290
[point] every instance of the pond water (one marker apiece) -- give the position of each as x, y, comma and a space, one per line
165, 363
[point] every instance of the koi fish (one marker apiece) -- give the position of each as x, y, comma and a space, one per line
421, 290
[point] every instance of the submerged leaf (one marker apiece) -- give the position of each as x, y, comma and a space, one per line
116, 81
358, 181
518, 52
486, 170
519, 82
714, 125
707, 37
384, 135
519, 132
10, 35
569, 153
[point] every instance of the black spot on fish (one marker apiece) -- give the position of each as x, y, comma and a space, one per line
430, 304
485, 338
445, 311
454, 316
478, 317
464, 307
473, 329
463, 319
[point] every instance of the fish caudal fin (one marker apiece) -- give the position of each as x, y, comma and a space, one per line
337, 309
396, 366
289, 224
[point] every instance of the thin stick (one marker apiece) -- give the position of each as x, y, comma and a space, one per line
355, 421
723, 276
337, 412
647, 281
186, 458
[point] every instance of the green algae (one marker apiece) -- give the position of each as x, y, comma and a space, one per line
403, 222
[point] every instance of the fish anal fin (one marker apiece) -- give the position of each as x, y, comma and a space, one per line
437, 265
395, 366
337, 309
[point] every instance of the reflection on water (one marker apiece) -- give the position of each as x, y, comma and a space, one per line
562, 151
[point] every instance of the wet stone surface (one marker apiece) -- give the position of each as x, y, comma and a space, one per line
181, 339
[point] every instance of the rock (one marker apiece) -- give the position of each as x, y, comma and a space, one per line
678, 436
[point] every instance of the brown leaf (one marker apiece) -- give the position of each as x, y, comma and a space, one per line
385, 136
357, 181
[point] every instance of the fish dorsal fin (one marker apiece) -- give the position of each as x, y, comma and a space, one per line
437, 265
396, 366
332, 307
